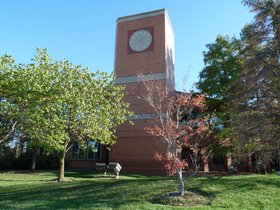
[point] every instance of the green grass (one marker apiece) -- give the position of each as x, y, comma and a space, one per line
86, 190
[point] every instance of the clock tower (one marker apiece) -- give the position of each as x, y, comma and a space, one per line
144, 45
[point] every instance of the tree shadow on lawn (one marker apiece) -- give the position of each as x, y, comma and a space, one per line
192, 197
202, 190
80, 174
94, 174
114, 193
79, 194
242, 183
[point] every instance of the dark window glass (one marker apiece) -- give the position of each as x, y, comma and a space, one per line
93, 150
90, 152
218, 160
78, 153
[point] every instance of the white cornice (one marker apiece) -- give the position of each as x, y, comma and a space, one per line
141, 15
145, 15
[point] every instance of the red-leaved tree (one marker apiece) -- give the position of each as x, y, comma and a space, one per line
180, 122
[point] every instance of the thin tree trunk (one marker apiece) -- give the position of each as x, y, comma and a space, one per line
278, 167
33, 160
181, 182
61, 167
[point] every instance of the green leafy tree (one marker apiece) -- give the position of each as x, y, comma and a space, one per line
241, 78
7, 116
259, 93
218, 80
61, 103
222, 67
15, 105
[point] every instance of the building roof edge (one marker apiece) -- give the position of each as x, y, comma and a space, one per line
141, 15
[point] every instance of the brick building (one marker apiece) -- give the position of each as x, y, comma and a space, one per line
144, 44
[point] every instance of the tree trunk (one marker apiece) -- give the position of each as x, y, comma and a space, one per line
278, 166
61, 167
33, 160
181, 182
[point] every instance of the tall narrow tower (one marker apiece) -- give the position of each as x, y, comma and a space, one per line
144, 45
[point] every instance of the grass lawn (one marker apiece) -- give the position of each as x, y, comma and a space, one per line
86, 190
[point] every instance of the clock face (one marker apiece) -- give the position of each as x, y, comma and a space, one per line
140, 40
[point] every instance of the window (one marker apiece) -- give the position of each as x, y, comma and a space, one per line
78, 153
218, 160
91, 151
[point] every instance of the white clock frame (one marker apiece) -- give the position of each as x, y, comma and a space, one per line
140, 40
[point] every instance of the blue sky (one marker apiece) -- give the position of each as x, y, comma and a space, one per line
84, 31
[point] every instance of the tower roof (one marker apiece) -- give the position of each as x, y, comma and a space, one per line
145, 15
142, 15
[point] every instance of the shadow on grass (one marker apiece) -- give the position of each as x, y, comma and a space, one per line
94, 174
86, 191
96, 193
242, 183
191, 198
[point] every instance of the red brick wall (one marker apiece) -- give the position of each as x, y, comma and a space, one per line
127, 64
135, 148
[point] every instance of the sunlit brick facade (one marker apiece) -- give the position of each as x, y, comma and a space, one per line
135, 148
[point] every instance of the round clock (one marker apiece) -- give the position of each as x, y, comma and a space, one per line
140, 40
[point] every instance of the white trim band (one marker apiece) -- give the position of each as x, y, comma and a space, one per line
146, 116
134, 79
